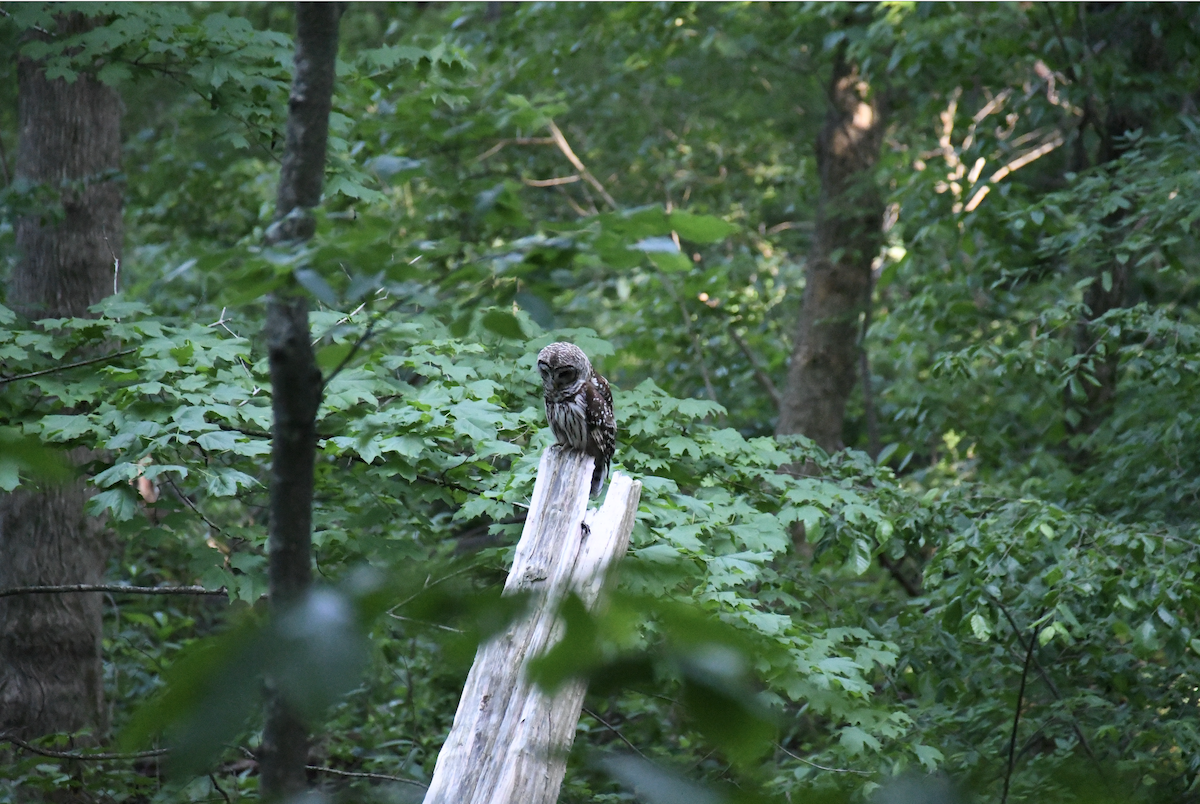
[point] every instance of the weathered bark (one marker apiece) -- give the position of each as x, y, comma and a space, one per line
50, 658
295, 378
510, 739
825, 354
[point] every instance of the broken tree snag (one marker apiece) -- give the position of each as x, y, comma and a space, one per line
510, 739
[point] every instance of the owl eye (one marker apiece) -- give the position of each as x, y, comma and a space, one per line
569, 374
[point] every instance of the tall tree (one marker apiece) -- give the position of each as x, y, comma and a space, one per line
825, 353
69, 141
295, 378
1115, 104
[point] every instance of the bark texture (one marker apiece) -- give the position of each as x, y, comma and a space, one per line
303, 172
50, 659
510, 739
825, 354
295, 379
295, 396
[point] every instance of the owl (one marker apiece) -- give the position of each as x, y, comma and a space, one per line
579, 406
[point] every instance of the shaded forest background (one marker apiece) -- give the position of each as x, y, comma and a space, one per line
899, 303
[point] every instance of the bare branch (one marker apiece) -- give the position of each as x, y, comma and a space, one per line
1016, 164
43, 372
555, 182
495, 149
1049, 682
46, 752
191, 504
614, 730
821, 767
383, 777
687, 325
111, 588
361, 340
1012, 741
759, 374
563, 146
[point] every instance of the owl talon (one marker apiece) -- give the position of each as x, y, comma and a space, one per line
587, 531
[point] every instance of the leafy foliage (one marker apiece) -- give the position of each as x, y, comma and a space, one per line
978, 601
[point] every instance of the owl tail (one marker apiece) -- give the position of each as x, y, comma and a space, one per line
599, 475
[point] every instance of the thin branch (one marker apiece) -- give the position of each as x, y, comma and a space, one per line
111, 588
361, 340
383, 777
37, 28
555, 182
450, 484
190, 504
46, 752
1014, 165
614, 730
912, 587
565, 147
580, 211
1050, 684
495, 149
1062, 43
43, 372
1012, 740
439, 626
687, 325
821, 767
759, 374
213, 781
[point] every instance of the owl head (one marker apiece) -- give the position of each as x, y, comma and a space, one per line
564, 367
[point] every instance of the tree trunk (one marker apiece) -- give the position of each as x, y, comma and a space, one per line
50, 660
825, 355
1109, 291
295, 378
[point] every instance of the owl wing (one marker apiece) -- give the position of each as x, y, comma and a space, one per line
601, 423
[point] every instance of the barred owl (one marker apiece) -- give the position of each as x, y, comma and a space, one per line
579, 406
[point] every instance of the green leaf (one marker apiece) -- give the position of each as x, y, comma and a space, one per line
928, 756
856, 741
700, 228
120, 503
315, 284
504, 324
331, 356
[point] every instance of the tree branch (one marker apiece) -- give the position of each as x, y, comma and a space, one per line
46, 752
759, 374
687, 325
613, 729
565, 147
361, 340
111, 588
43, 372
821, 767
1050, 684
1012, 740
383, 777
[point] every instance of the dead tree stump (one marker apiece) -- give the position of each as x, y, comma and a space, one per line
510, 740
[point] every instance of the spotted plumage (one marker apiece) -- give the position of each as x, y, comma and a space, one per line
579, 406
